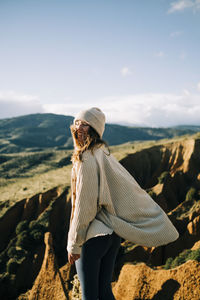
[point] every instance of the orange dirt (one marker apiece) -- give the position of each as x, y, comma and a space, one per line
142, 282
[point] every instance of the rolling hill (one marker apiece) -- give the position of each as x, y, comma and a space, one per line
36, 132
33, 257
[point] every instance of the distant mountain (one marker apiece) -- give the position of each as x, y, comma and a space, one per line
36, 132
192, 127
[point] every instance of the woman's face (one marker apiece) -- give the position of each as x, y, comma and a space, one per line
82, 128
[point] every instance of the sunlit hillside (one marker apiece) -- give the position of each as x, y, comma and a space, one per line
35, 199
38, 132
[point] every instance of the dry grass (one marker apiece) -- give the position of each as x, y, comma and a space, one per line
120, 151
19, 188
43, 176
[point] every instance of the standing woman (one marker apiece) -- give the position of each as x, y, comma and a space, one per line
99, 245
107, 204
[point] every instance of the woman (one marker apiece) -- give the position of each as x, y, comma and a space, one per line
107, 204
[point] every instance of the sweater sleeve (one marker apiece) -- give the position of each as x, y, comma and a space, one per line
85, 203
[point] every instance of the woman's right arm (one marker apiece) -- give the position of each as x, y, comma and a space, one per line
85, 204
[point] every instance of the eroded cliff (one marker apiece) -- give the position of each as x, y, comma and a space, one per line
169, 172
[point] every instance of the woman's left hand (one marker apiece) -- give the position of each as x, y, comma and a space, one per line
72, 257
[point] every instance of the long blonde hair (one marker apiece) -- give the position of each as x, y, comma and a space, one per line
92, 141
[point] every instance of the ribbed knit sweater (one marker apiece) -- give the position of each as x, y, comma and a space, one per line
106, 198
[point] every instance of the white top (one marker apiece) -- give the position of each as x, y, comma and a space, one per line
106, 198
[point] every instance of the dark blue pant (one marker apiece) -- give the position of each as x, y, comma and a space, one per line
95, 266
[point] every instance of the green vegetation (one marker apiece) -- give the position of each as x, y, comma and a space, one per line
187, 208
38, 228
32, 171
28, 236
184, 256
53, 168
117, 134
36, 132
12, 266
21, 249
24, 240
3, 261
16, 252
27, 164
191, 194
23, 225
36, 225
168, 263
152, 194
16, 185
43, 219
76, 290
163, 177
37, 236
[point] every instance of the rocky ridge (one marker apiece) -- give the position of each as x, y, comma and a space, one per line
181, 163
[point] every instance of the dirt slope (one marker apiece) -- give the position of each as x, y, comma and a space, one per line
135, 281
142, 282
49, 283
181, 160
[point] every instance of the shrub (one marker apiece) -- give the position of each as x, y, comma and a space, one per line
22, 226
3, 261
2, 264
35, 225
37, 236
194, 255
11, 252
190, 194
182, 258
162, 178
76, 290
16, 252
168, 263
24, 240
179, 260
152, 194
12, 266
4, 282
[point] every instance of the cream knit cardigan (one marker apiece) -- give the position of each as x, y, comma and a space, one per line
106, 198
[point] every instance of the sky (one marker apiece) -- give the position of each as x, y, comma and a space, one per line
137, 60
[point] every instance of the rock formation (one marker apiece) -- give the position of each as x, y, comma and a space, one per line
49, 283
141, 282
170, 173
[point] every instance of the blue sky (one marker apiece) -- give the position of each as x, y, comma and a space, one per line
138, 60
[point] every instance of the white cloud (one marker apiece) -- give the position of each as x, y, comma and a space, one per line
69, 108
186, 92
181, 5
183, 55
154, 109
175, 34
160, 54
198, 86
125, 71
151, 109
157, 110
14, 104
